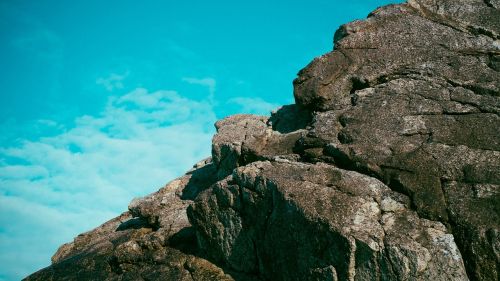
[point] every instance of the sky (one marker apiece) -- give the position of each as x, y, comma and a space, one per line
104, 101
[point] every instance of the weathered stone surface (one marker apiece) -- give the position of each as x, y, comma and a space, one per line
296, 221
410, 96
242, 139
386, 168
452, 40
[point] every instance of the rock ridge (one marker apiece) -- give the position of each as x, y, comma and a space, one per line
387, 167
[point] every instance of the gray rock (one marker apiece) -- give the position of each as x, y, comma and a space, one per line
410, 96
296, 221
242, 139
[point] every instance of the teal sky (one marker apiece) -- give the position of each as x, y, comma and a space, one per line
103, 101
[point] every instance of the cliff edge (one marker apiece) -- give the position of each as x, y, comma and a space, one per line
386, 168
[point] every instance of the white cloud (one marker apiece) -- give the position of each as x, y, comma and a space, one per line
253, 105
112, 82
55, 187
208, 82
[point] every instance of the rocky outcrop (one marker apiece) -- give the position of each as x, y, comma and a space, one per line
386, 168
295, 221
414, 91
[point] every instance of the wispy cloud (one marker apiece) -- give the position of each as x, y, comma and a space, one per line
253, 105
208, 82
112, 82
56, 187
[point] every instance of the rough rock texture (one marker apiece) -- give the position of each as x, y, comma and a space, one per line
386, 168
295, 221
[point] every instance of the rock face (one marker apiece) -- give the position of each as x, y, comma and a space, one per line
386, 168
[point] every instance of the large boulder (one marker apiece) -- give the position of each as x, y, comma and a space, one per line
294, 221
